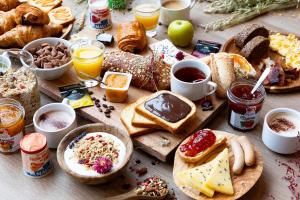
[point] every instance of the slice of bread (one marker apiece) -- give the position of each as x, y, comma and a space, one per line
220, 139
126, 118
139, 120
172, 127
45, 5
222, 72
61, 15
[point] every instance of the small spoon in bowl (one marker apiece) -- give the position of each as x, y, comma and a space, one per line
141, 192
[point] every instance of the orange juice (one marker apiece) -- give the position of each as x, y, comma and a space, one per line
88, 60
148, 15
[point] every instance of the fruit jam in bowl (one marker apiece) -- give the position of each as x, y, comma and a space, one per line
244, 107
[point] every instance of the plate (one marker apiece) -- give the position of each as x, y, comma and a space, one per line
241, 183
294, 85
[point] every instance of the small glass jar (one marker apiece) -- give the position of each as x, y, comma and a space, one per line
99, 14
244, 107
11, 125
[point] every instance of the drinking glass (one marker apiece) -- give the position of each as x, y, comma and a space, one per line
87, 57
147, 12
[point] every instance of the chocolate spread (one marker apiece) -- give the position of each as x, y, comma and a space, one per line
168, 107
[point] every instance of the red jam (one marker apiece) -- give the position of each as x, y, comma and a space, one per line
200, 141
244, 107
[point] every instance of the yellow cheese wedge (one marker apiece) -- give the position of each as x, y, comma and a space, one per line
219, 178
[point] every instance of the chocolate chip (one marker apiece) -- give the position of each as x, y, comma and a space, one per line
104, 105
100, 110
111, 107
107, 111
104, 99
107, 115
97, 105
93, 98
97, 101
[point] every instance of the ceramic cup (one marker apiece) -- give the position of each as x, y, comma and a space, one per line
170, 14
54, 137
196, 90
5, 63
280, 142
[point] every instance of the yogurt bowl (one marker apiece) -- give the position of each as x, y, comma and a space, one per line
281, 130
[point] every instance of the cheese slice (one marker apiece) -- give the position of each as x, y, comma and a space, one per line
219, 178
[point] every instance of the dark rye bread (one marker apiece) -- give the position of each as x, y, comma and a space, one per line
251, 31
256, 49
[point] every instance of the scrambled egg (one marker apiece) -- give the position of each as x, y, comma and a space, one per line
287, 46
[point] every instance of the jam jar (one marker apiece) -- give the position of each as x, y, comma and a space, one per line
244, 107
12, 124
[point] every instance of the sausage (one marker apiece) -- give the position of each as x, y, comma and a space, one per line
248, 150
239, 158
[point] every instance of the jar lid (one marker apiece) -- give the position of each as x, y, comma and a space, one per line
33, 142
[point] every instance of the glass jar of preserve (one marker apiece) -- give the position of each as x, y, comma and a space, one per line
11, 125
244, 107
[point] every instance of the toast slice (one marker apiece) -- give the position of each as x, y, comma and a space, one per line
139, 120
220, 139
180, 110
61, 15
45, 5
126, 118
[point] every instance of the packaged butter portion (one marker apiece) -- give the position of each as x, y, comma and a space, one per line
11, 125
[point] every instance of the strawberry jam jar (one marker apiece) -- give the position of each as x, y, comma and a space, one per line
244, 107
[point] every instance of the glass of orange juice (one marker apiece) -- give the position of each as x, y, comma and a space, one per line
147, 13
87, 57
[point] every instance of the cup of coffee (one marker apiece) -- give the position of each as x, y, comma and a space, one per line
175, 10
54, 120
281, 130
191, 78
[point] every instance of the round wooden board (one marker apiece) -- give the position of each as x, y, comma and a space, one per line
230, 47
241, 183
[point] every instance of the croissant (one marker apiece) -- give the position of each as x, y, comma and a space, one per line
6, 5
21, 35
23, 14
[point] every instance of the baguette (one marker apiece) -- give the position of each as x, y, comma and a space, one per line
222, 69
171, 126
126, 118
220, 139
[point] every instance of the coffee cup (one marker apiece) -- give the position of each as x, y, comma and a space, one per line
54, 120
191, 78
175, 10
5, 63
281, 130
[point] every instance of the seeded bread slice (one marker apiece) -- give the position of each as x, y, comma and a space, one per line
172, 127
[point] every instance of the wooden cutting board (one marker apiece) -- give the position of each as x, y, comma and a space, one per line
150, 143
294, 85
241, 183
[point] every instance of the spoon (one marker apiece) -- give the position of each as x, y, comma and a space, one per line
94, 79
132, 195
261, 79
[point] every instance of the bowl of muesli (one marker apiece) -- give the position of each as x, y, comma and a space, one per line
95, 153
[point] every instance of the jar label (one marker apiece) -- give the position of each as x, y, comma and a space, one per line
9, 143
244, 121
100, 20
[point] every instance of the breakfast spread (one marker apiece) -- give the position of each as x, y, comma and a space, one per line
22, 86
35, 155
47, 56
11, 125
116, 86
244, 107
131, 37
95, 154
169, 110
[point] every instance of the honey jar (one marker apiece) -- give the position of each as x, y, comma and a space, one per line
12, 125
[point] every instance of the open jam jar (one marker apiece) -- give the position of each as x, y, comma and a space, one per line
244, 107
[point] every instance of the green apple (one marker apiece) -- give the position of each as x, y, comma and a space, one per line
181, 32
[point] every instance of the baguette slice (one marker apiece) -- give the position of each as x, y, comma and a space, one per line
169, 126
220, 139
45, 5
139, 120
126, 118
222, 69
61, 15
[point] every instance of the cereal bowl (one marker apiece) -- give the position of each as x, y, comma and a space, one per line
82, 168
48, 73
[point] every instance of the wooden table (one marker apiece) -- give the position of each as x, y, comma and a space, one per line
15, 186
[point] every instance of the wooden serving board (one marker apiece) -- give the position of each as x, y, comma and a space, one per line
294, 85
241, 183
150, 143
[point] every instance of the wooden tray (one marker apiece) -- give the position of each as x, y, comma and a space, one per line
241, 183
150, 143
230, 47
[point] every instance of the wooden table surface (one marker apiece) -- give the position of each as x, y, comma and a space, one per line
15, 186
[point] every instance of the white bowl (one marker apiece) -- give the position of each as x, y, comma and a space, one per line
48, 74
280, 142
54, 137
